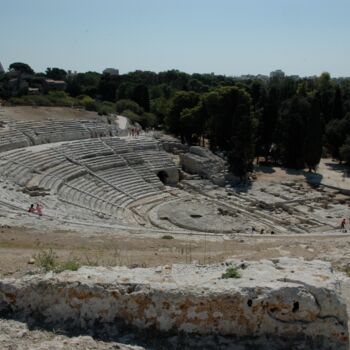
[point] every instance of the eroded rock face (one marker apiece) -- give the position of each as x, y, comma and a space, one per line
203, 162
275, 303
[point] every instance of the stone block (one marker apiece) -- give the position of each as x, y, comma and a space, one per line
280, 304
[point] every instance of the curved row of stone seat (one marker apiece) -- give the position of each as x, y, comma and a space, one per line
103, 162
12, 139
117, 144
101, 175
101, 129
85, 149
53, 131
143, 143
25, 133
156, 160
18, 173
128, 180
54, 177
93, 194
133, 158
148, 175
38, 161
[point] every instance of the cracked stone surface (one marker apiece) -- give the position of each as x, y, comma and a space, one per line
281, 301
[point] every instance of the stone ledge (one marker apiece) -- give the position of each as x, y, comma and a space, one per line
282, 301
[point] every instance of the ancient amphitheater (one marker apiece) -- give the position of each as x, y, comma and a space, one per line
92, 175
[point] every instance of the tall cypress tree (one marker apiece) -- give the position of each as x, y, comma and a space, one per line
313, 139
141, 97
232, 126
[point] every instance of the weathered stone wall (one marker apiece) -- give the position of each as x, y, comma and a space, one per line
204, 163
285, 301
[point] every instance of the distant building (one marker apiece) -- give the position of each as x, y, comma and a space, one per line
71, 73
33, 91
277, 74
2, 70
58, 85
111, 71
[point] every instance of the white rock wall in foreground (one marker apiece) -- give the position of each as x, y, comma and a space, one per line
286, 300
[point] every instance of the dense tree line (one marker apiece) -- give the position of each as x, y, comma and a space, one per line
288, 120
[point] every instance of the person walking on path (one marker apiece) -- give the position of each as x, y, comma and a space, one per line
342, 225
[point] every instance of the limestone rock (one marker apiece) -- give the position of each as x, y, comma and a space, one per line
203, 162
284, 303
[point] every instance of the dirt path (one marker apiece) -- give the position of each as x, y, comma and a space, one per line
18, 246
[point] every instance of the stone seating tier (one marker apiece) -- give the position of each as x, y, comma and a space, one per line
128, 180
157, 159
12, 139
103, 162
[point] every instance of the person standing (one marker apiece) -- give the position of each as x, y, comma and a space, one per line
342, 225
39, 209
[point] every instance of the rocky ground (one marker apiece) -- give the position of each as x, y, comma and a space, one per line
15, 335
19, 245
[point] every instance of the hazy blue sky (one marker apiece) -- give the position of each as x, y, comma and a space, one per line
230, 37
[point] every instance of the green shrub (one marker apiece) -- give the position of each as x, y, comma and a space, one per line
123, 105
167, 237
47, 260
70, 265
106, 108
148, 120
134, 118
231, 272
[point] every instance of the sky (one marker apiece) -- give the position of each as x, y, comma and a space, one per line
231, 37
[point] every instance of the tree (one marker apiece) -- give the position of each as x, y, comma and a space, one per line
192, 122
141, 96
181, 101
160, 107
336, 133
313, 139
108, 87
338, 112
345, 150
291, 131
231, 126
325, 94
56, 73
123, 105
21, 68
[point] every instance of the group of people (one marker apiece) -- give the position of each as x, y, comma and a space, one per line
135, 132
38, 209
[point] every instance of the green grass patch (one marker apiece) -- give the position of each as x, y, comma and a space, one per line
231, 272
167, 237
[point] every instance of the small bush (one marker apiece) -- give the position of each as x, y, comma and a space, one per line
47, 260
70, 265
167, 237
231, 272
